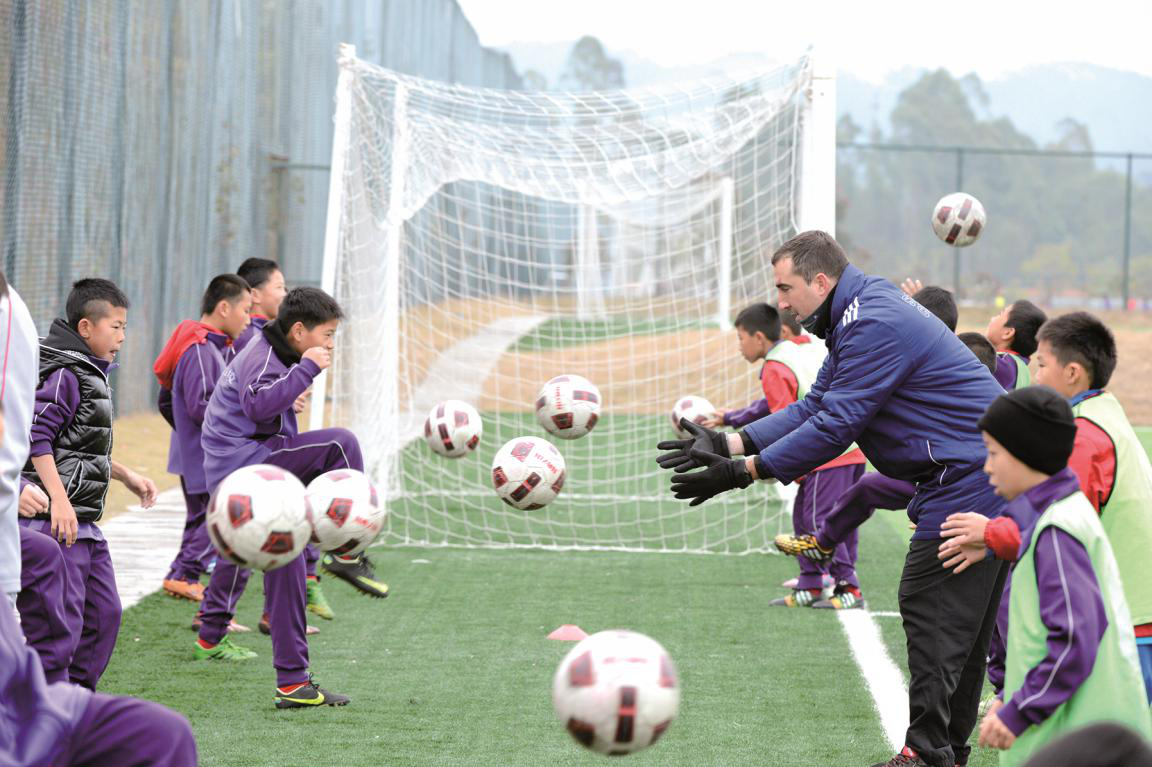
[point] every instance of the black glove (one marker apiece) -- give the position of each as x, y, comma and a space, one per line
702, 438
720, 475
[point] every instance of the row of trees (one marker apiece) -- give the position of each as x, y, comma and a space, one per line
1055, 224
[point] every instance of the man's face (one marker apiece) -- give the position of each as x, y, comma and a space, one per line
1068, 380
323, 335
795, 295
105, 335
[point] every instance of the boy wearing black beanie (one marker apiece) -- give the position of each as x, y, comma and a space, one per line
1063, 653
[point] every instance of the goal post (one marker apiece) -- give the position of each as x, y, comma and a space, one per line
484, 241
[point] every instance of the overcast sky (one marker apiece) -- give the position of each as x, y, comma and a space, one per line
868, 39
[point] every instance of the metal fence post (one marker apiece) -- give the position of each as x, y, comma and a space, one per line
1127, 275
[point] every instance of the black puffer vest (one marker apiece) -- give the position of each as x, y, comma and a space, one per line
83, 448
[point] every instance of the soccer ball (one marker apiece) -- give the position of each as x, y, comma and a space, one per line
616, 692
695, 409
568, 406
258, 517
528, 473
453, 428
958, 219
345, 512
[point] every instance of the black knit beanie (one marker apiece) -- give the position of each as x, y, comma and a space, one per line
1035, 424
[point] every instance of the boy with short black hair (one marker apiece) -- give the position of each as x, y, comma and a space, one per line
188, 367
250, 420
266, 281
940, 302
790, 367
71, 461
1063, 652
981, 347
1075, 357
1013, 333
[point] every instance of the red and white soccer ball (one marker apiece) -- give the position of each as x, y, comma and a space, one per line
345, 511
453, 428
258, 517
616, 692
568, 406
528, 473
958, 219
695, 409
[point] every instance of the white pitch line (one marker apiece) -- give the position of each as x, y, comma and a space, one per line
142, 542
884, 680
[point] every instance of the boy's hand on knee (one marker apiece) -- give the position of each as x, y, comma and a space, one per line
319, 355
33, 501
64, 525
965, 529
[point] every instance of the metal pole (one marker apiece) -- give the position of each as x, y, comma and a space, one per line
1127, 275
956, 251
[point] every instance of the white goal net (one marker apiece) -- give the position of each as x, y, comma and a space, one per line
482, 242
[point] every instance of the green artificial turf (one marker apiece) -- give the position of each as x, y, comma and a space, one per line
560, 332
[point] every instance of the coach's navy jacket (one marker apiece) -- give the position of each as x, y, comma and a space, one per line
902, 386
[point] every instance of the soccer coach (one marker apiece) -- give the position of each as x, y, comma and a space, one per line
904, 388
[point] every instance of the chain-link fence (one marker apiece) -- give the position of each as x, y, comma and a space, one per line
160, 143
1066, 228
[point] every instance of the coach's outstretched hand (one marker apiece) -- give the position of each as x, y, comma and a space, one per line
719, 475
702, 438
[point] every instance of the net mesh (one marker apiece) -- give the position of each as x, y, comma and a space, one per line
490, 240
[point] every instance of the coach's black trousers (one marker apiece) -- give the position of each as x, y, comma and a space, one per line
948, 621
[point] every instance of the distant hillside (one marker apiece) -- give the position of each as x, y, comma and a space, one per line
1115, 105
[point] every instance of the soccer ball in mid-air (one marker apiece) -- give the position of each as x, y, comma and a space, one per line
958, 219
528, 473
258, 517
616, 692
695, 409
568, 406
453, 428
345, 512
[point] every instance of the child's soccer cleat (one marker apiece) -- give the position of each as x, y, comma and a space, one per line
804, 546
184, 590
225, 650
308, 695
357, 571
266, 627
906, 758
798, 598
844, 597
317, 603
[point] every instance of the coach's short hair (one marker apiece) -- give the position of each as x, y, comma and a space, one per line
982, 348
1079, 337
257, 271
1026, 318
760, 318
940, 302
813, 252
223, 287
90, 299
309, 306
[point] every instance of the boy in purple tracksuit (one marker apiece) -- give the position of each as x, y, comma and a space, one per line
71, 445
268, 290
1013, 334
250, 420
44, 724
188, 368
